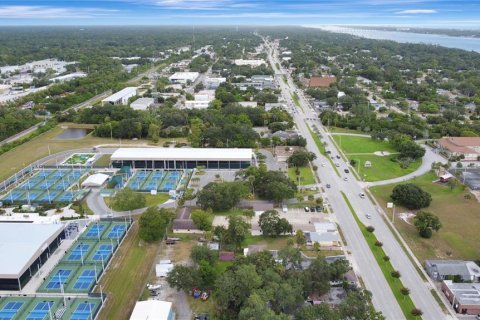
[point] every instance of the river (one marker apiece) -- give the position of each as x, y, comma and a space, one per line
464, 43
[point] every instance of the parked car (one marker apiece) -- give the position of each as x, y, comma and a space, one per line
312, 209
307, 209
318, 208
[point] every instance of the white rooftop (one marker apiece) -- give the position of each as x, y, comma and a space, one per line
95, 180
22, 243
200, 154
120, 94
151, 310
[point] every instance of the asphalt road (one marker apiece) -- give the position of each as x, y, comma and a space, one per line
363, 259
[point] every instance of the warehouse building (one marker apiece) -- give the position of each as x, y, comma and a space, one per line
182, 158
24, 248
121, 97
153, 310
142, 103
184, 77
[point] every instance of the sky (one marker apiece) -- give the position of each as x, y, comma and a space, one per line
420, 13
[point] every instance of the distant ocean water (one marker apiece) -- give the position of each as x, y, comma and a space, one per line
465, 43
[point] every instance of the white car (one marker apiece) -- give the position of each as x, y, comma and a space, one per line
323, 164
368, 215
345, 179
362, 195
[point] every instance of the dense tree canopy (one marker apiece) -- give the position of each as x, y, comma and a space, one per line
411, 196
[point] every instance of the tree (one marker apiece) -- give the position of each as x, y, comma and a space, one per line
200, 253
127, 199
153, 223
234, 287
207, 273
221, 196
269, 185
405, 291
316, 312
357, 305
301, 158
183, 277
416, 312
411, 196
426, 222
317, 277
290, 256
202, 219
238, 229
272, 225
300, 238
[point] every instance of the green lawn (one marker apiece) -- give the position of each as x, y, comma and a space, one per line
353, 144
382, 167
104, 160
459, 237
270, 243
406, 303
152, 200
344, 130
306, 175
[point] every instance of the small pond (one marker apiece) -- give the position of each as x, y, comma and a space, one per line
72, 134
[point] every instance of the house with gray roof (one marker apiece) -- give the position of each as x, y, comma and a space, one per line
447, 269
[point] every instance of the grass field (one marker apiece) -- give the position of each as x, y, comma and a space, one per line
152, 200
306, 175
21, 156
103, 160
459, 237
344, 130
126, 276
269, 242
353, 144
382, 167
406, 303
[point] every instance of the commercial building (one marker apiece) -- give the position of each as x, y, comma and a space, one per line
252, 63
184, 77
468, 147
464, 297
142, 103
24, 248
201, 100
259, 82
68, 77
214, 83
448, 269
153, 310
121, 97
326, 234
182, 158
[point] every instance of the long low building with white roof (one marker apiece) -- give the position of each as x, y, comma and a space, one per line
182, 158
24, 248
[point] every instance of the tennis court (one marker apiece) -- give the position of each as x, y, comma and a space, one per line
47, 186
160, 180
79, 252
59, 279
116, 231
10, 309
46, 308
86, 280
95, 230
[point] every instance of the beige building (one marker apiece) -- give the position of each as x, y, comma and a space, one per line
469, 147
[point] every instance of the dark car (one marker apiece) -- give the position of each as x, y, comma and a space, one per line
328, 185
201, 317
328, 151
318, 208
312, 209
338, 157
346, 171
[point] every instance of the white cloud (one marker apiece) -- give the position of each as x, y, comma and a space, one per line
417, 11
204, 4
47, 12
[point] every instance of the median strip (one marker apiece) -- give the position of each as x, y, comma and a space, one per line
321, 148
405, 302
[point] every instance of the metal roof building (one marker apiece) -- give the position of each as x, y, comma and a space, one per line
121, 97
24, 247
153, 310
182, 158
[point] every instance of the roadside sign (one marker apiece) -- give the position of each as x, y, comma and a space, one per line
389, 205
